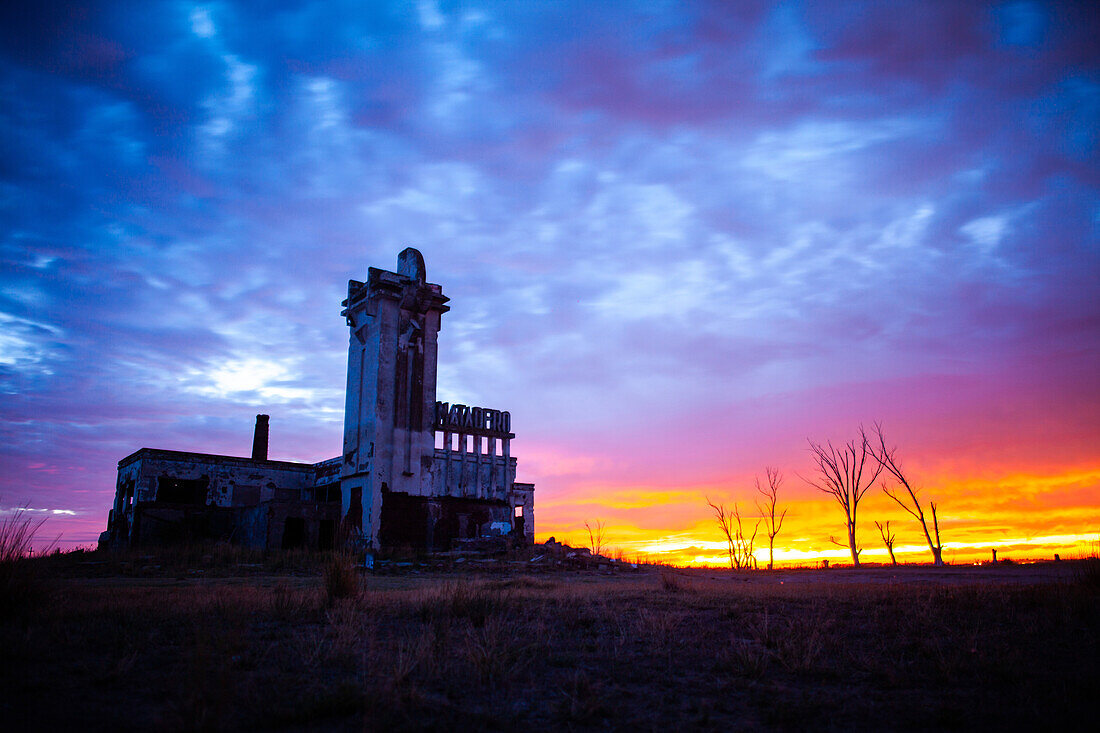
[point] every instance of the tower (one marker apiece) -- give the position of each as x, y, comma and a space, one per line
389, 412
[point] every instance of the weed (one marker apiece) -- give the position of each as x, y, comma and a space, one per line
410, 653
17, 533
206, 698
746, 657
494, 651
1086, 572
672, 582
341, 578
662, 626
569, 651
524, 582
801, 645
289, 603
345, 629
583, 700
463, 600
19, 584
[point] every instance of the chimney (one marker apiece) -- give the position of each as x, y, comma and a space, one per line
259, 441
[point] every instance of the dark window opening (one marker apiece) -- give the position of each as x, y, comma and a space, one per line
294, 533
328, 493
181, 490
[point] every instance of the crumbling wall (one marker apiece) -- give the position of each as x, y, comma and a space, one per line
173, 524
465, 474
522, 500
434, 523
313, 518
168, 496
230, 481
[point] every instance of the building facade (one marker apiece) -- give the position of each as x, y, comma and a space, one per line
414, 471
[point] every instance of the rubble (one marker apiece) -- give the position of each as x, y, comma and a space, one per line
494, 554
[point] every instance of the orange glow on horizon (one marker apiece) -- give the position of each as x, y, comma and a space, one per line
1024, 515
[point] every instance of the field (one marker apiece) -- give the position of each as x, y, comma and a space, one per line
102, 643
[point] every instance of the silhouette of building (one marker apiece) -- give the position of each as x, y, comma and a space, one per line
413, 472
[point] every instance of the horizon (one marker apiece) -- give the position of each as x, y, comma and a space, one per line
679, 241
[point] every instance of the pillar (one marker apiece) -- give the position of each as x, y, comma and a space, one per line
394, 320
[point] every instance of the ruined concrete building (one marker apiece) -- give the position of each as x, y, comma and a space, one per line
414, 472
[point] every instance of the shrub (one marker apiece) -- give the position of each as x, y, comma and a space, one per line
341, 579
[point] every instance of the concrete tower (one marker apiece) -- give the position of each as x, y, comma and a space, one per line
389, 414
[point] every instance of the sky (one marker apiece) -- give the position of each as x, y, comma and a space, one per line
680, 240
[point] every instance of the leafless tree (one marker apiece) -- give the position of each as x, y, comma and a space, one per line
739, 545
887, 458
772, 523
595, 537
887, 539
845, 473
725, 523
746, 544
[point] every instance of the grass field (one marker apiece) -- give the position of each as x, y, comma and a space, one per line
138, 644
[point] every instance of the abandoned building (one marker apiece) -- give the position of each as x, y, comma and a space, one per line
414, 472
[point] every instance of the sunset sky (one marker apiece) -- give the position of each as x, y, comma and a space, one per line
679, 239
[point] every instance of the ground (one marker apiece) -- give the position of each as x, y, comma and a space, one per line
203, 643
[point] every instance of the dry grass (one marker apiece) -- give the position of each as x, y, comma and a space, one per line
1087, 569
20, 589
17, 531
572, 651
340, 577
672, 581
1088, 572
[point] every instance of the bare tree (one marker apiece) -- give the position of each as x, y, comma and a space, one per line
771, 523
595, 537
887, 539
725, 523
746, 543
887, 458
845, 473
739, 545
